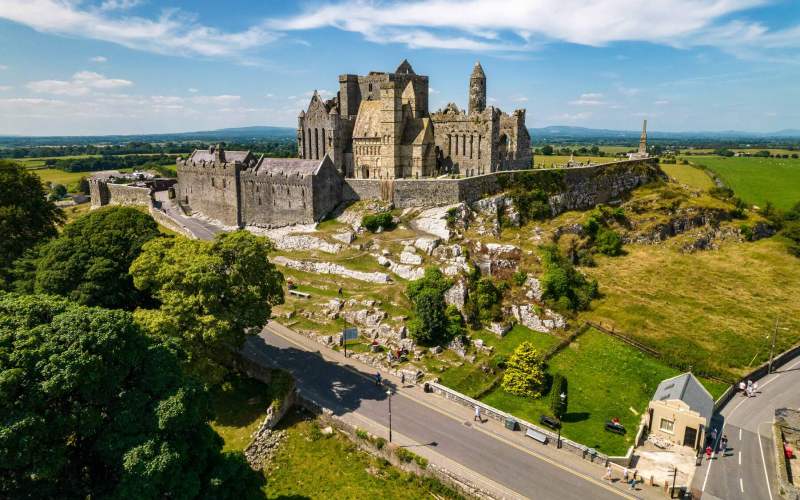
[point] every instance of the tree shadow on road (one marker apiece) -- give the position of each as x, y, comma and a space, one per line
326, 382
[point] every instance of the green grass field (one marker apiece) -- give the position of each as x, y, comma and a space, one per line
689, 175
542, 161
239, 405
758, 180
711, 310
606, 378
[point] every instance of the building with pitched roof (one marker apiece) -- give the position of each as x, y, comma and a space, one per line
680, 411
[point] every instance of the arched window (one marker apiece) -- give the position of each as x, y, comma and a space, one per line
316, 144
323, 142
310, 154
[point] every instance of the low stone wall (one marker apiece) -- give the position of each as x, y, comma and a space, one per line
170, 223
121, 194
787, 489
584, 187
757, 374
501, 416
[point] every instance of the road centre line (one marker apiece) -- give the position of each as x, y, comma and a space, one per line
488, 433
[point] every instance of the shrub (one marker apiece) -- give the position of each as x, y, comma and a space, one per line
315, 433
524, 372
380, 443
373, 221
557, 406
433, 323
362, 434
519, 278
608, 242
562, 284
746, 231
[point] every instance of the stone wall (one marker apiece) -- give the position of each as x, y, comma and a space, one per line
211, 190
583, 187
121, 194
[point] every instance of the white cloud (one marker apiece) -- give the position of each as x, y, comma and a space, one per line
661, 102
520, 99
479, 25
82, 83
589, 99
98, 59
119, 4
172, 32
3, 67
572, 117
5, 88
269, 96
432, 90
192, 90
219, 100
628, 91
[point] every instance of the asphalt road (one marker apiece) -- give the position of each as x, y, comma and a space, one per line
201, 229
333, 386
747, 469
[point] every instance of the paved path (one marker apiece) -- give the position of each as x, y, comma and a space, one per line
747, 469
201, 229
499, 460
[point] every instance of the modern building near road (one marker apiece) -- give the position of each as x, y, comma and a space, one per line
680, 411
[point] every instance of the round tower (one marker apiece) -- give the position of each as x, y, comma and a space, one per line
477, 89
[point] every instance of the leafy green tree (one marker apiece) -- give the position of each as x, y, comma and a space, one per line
59, 191
791, 231
558, 405
26, 216
562, 284
432, 323
524, 372
608, 242
547, 150
211, 295
372, 222
92, 408
89, 261
487, 298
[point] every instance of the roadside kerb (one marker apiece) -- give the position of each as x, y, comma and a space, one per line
502, 417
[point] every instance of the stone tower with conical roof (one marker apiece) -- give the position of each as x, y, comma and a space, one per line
477, 90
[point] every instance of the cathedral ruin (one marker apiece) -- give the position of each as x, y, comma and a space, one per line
378, 127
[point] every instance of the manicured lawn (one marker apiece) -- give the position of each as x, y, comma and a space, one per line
711, 310
689, 175
758, 180
312, 465
59, 176
607, 378
505, 346
556, 160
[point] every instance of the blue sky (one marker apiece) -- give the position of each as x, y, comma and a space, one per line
141, 66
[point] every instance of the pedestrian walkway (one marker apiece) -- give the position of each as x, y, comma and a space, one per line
563, 466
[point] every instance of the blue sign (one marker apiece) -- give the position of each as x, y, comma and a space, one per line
350, 334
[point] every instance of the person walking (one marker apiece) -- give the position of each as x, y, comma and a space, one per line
607, 477
708, 453
402, 378
724, 444
378, 379
625, 474
477, 414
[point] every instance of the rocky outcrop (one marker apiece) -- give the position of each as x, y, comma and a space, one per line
346, 237
527, 316
410, 258
330, 268
265, 440
304, 242
456, 295
534, 287
427, 245
439, 221
495, 259
495, 206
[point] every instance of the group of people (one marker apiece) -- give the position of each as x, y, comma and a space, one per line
627, 477
711, 442
749, 389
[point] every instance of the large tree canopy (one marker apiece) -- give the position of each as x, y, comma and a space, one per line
89, 261
26, 216
93, 408
211, 294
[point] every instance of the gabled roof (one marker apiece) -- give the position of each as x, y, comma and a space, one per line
368, 121
207, 155
289, 166
685, 387
405, 68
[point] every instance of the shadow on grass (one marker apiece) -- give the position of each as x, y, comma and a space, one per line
239, 401
578, 416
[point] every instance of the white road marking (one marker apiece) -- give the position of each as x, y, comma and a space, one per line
740, 435
740, 458
763, 462
741, 485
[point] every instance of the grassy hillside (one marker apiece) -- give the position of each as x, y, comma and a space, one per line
712, 310
689, 175
758, 180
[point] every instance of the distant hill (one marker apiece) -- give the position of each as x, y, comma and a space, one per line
556, 133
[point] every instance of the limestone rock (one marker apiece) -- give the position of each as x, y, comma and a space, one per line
534, 287
346, 237
499, 329
434, 220
305, 242
330, 268
427, 244
410, 258
456, 295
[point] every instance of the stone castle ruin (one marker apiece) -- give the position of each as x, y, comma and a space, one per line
378, 127
377, 140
